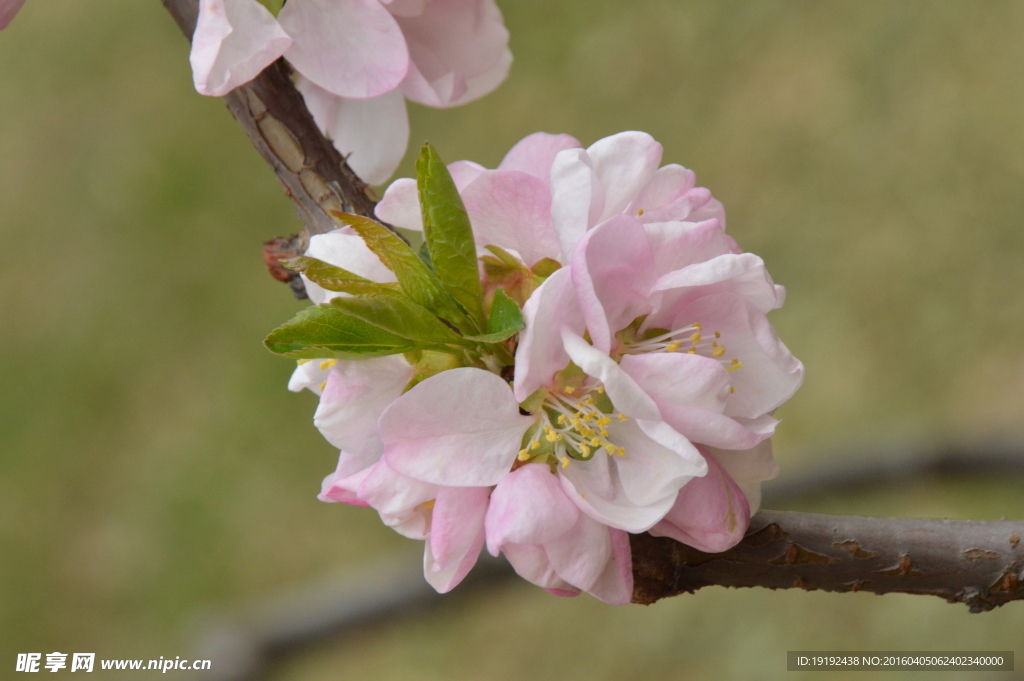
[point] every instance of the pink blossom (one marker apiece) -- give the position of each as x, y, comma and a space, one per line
8, 8
358, 60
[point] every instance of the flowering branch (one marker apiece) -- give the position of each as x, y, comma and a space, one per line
274, 116
978, 563
445, 347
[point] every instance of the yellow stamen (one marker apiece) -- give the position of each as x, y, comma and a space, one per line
323, 385
585, 450
328, 364
429, 504
622, 451
695, 337
535, 444
569, 390
524, 455
600, 389
717, 335
673, 346
731, 389
736, 364
595, 442
622, 418
691, 351
719, 351
565, 462
639, 212
698, 325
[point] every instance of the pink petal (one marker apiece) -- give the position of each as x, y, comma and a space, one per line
688, 207
712, 210
343, 484
710, 514
691, 392
541, 352
457, 527
666, 185
748, 469
577, 198
613, 271
742, 275
343, 249
372, 134
233, 42
597, 490
355, 396
400, 500
458, 51
624, 392
460, 428
624, 164
650, 471
401, 205
512, 210
531, 563
535, 154
308, 376
447, 579
464, 172
351, 48
581, 551
528, 507
8, 8
615, 585
679, 244
769, 374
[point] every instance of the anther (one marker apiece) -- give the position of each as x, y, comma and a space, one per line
535, 444
600, 389
719, 351
323, 385
673, 346
698, 325
691, 351
695, 337
569, 390
524, 455
639, 212
585, 450
736, 364
622, 418
731, 390
565, 462
328, 364
717, 335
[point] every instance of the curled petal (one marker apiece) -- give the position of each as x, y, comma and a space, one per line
580, 554
766, 373
535, 154
577, 198
615, 584
528, 507
624, 164
356, 394
401, 205
344, 249
513, 210
456, 532
343, 484
458, 51
372, 134
541, 352
531, 562
460, 428
234, 40
748, 469
711, 513
400, 500
666, 185
742, 274
351, 48
679, 244
613, 272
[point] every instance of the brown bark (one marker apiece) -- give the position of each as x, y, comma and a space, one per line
274, 116
979, 563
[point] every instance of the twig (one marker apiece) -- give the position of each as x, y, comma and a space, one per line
274, 116
980, 563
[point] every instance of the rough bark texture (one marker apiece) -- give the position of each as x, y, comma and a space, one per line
274, 116
979, 563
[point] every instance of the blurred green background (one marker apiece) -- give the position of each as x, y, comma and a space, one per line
153, 464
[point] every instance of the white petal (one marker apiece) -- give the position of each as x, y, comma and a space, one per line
624, 164
577, 198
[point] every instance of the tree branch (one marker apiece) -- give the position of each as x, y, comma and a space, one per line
274, 116
978, 563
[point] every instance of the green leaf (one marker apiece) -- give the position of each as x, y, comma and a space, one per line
425, 256
323, 331
399, 316
417, 280
448, 234
335, 278
505, 319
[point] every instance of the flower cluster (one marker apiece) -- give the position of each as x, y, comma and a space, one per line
604, 367
358, 60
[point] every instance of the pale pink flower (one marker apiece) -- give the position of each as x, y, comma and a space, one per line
358, 61
8, 8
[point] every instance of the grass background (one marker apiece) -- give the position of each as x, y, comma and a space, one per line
152, 462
